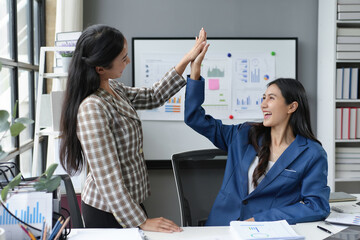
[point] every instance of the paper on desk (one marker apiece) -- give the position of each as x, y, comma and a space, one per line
263, 230
344, 218
100, 233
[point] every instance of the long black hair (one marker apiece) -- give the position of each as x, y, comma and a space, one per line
293, 91
97, 46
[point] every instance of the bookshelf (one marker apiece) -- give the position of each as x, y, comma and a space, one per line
47, 118
329, 60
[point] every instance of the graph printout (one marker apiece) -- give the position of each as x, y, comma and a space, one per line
263, 230
30, 207
234, 84
154, 67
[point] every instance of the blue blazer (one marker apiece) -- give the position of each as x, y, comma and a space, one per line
295, 188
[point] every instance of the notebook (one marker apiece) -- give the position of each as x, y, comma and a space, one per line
341, 197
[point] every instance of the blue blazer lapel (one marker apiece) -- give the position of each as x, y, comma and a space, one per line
288, 156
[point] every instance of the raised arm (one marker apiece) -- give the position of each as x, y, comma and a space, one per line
200, 43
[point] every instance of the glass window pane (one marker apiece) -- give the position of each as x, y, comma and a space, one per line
36, 17
5, 29
6, 76
23, 30
23, 105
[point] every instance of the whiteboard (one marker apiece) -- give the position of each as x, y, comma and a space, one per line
166, 134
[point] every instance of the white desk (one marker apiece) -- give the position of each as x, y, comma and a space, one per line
309, 230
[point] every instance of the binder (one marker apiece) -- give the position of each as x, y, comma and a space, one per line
345, 123
339, 82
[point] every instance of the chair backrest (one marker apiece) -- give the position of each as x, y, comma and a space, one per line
74, 209
198, 177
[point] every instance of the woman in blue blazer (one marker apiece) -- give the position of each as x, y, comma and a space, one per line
276, 169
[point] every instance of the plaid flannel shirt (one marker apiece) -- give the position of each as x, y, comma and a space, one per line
111, 137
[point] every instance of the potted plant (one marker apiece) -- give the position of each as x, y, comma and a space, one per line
66, 55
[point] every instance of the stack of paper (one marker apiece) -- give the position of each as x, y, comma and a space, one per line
344, 218
98, 233
242, 230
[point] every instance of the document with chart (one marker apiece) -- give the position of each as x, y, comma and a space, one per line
242, 230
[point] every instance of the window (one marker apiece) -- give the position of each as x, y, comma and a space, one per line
22, 31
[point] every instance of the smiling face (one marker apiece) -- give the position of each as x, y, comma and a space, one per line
275, 109
118, 65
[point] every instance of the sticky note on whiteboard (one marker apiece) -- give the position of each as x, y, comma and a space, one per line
214, 84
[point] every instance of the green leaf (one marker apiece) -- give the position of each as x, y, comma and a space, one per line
15, 109
15, 181
24, 120
16, 129
4, 126
4, 193
50, 170
48, 185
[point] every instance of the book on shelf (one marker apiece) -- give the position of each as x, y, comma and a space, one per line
339, 82
348, 39
358, 123
354, 82
348, 166
348, 47
338, 123
349, 16
352, 125
348, 1
345, 134
347, 174
349, 7
348, 31
346, 83
348, 55
341, 197
242, 230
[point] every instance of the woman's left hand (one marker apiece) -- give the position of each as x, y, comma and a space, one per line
199, 45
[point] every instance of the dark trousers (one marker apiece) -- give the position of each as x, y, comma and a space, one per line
95, 218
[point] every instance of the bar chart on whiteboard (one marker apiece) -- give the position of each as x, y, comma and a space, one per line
31, 207
234, 84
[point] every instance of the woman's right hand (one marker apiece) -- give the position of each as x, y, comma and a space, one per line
160, 225
198, 47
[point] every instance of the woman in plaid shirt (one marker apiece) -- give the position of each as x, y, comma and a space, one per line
99, 125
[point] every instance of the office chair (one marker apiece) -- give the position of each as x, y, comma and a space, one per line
74, 209
198, 177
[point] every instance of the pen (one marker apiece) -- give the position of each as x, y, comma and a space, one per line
324, 229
